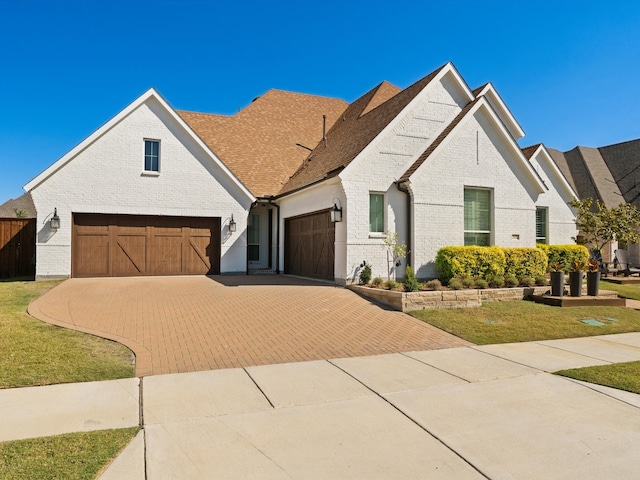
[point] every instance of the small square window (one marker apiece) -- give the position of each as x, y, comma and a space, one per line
151, 155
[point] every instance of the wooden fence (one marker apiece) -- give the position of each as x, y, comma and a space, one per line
17, 247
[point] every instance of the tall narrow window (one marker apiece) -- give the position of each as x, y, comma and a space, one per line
376, 212
152, 156
477, 217
253, 238
542, 224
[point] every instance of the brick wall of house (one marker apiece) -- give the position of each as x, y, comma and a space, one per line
107, 177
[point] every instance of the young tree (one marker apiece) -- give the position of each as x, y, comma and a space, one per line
395, 251
600, 225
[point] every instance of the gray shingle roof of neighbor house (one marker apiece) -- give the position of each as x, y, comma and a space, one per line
21, 207
610, 173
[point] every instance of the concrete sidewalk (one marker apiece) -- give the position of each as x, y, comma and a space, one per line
470, 412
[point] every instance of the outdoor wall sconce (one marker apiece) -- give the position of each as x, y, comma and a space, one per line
54, 223
232, 224
336, 213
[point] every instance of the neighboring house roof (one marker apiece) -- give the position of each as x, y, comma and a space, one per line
148, 95
591, 176
22, 205
261, 143
360, 123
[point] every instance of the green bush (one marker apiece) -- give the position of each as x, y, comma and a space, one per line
469, 261
467, 282
565, 255
541, 280
455, 284
511, 281
434, 284
495, 281
525, 262
526, 281
481, 283
410, 281
391, 284
377, 282
365, 273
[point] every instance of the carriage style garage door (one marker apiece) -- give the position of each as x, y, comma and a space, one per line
130, 245
309, 246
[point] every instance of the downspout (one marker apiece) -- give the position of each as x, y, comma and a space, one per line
277, 234
403, 188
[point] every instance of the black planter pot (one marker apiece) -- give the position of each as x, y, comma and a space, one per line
593, 283
557, 284
575, 284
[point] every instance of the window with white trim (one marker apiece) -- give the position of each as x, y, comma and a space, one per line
542, 224
152, 155
477, 217
376, 212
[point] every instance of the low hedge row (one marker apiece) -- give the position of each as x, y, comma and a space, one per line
518, 262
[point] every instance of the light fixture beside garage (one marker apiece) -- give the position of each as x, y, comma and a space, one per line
232, 224
54, 223
336, 212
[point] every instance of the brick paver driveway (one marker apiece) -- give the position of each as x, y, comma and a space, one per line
185, 324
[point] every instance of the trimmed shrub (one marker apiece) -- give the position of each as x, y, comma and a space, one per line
481, 283
541, 280
433, 284
365, 273
525, 262
467, 282
526, 281
391, 284
565, 255
377, 281
469, 261
455, 284
511, 281
495, 281
410, 281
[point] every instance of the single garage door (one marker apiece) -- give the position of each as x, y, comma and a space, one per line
131, 245
309, 246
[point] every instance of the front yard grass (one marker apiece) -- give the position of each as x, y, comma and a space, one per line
36, 353
524, 321
74, 455
626, 291
623, 376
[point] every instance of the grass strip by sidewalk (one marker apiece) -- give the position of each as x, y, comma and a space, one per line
36, 353
623, 376
74, 455
523, 321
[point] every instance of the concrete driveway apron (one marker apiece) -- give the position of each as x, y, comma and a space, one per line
187, 324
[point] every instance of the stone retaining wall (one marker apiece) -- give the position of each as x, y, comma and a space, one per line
406, 302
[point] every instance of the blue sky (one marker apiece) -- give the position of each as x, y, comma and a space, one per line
568, 70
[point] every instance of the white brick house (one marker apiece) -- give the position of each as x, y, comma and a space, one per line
155, 191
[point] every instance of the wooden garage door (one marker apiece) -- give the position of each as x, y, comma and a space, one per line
131, 245
309, 246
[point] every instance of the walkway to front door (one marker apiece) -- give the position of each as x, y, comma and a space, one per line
185, 324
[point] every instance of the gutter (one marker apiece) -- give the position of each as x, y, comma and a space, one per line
404, 189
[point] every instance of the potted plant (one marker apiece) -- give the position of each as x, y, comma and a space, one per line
575, 279
593, 277
557, 279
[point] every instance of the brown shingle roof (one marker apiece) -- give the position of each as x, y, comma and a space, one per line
528, 151
360, 123
258, 144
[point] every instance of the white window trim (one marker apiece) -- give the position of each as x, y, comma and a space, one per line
491, 215
151, 173
382, 234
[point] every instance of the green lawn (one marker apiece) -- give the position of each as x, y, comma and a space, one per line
626, 291
521, 321
75, 455
36, 353
623, 376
